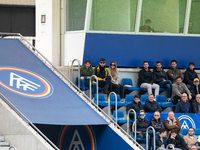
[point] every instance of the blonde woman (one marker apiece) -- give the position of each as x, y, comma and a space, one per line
113, 73
156, 122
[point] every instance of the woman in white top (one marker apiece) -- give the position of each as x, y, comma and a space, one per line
113, 73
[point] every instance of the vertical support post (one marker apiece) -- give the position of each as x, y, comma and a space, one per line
97, 86
115, 104
72, 73
134, 121
154, 139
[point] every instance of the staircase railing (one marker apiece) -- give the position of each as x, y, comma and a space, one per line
71, 84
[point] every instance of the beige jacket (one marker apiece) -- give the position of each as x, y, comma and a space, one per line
190, 141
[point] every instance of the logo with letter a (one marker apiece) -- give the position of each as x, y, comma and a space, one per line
77, 138
186, 122
25, 82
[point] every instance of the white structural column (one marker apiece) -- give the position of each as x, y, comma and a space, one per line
48, 29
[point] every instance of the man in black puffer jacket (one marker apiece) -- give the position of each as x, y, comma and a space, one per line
136, 105
151, 105
190, 75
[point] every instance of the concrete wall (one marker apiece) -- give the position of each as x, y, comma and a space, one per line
18, 132
17, 2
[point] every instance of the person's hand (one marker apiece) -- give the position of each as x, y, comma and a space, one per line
162, 146
164, 80
150, 83
104, 79
172, 75
172, 137
190, 97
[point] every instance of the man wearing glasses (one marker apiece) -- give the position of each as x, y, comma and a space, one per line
190, 138
196, 104
102, 74
183, 106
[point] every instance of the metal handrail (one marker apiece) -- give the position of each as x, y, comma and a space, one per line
72, 73
154, 139
170, 145
109, 105
12, 147
134, 121
37, 53
97, 90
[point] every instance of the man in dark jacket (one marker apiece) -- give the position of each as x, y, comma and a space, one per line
146, 79
161, 140
176, 140
174, 72
160, 78
196, 104
86, 72
104, 81
190, 75
136, 105
151, 105
195, 88
183, 106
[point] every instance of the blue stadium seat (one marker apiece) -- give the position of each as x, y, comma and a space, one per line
184, 131
129, 98
197, 132
119, 103
101, 100
143, 89
162, 101
120, 116
128, 81
143, 99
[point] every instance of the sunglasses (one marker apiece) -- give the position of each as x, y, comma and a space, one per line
141, 114
112, 64
157, 115
102, 62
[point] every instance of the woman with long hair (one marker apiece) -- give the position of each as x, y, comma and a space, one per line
113, 73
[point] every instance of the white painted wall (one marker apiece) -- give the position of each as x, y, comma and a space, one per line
48, 33
74, 43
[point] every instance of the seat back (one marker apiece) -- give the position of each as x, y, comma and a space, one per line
76, 81
101, 98
120, 114
138, 83
161, 99
143, 99
184, 131
127, 81
112, 98
197, 132
129, 98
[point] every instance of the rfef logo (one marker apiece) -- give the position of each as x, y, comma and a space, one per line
25, 82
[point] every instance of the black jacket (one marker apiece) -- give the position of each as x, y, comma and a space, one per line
142, 125
195, 107
136, 106
157, 125
193, 90
189, 76
158, 76
145, 76
152, 106
179, 142
159, 143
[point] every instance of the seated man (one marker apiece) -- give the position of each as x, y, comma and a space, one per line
183, 106
190, 75
161, 140
147, 27
151, 105
136, 105
196, 104
177, 141
86, 72
172, 123
173, 72
160, 78
141, 124
193, 147
190, 139
104, 81
178, 89
195, 88
146, 79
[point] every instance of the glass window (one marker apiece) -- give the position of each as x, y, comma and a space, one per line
76, 10
113, 15
193, 27
164, 16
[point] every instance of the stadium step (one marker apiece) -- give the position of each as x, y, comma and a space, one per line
4, 145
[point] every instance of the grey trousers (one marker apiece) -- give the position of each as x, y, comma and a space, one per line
149, 88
